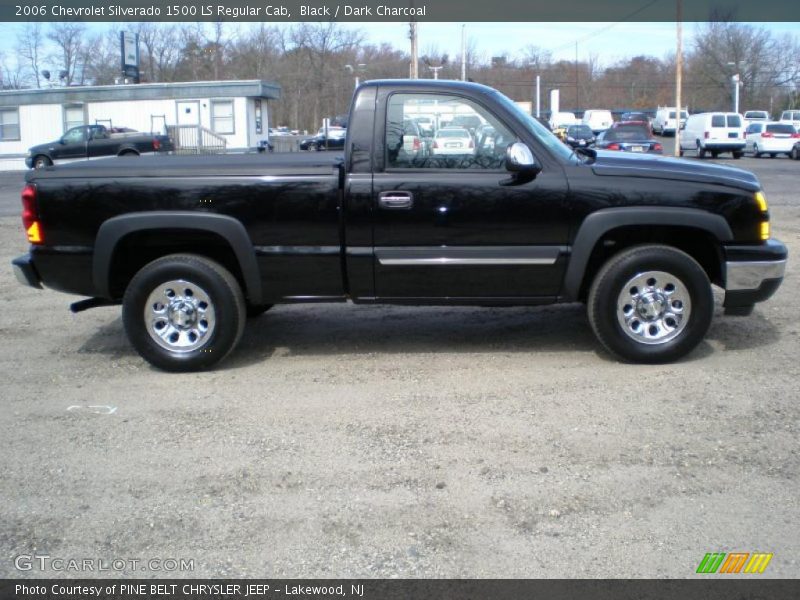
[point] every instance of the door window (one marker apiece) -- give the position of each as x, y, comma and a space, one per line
437, 131
75, 136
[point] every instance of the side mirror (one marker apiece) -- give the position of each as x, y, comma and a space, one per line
61, 141
521, 163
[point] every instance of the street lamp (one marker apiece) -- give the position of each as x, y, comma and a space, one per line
736, 81
359, 68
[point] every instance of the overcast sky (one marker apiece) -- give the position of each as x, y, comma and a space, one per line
610, 42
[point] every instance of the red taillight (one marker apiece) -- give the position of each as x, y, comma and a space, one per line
30, 214
767, 134
796, 135
612, 147
156, 144
416, 143
658, 147
706, 134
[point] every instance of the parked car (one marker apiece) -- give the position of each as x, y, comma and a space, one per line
559, 121
579, 136
468, 122
95, 141
333, 141
770, 138
635, 118
631, 138
753, 116
426, 124
190, 246
598, 119
792, 117
713, 132
665, 121
414, 142
452, 140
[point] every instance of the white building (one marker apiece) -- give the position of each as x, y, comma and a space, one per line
236, 111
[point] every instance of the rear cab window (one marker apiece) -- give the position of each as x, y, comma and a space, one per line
718, 121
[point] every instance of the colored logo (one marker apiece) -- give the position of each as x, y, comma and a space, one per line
735, 562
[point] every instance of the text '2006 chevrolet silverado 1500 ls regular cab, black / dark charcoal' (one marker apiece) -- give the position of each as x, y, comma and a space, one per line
503, 214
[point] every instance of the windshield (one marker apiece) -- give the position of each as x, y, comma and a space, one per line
579, 130
459, 133
624, 134
778, 128
545, 136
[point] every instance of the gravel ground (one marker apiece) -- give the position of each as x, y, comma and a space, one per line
343, 441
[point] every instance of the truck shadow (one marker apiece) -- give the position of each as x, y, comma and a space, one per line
324, 330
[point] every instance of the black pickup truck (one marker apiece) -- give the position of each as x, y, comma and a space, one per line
190, 246
96, 141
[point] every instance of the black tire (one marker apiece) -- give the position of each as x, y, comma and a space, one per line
714, 154
701, 152
773, 154
651, 262
207, 282
756, 153
795, 153
128, 153
41, 161
737, 155
256, 310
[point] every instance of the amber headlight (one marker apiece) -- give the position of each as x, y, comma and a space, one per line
761, 200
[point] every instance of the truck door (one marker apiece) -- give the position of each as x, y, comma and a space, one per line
72, 145
100, 143
445, 225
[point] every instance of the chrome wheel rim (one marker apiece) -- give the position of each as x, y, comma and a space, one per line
179, 316
653, 307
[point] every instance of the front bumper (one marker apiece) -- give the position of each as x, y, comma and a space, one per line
753, 273
25, 272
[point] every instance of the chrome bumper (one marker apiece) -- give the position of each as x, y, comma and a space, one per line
750, 275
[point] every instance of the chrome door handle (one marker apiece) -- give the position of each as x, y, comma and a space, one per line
395, 200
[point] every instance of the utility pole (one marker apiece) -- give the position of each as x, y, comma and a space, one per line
577, 89
414, 70
538, 95
463, 52
678, 79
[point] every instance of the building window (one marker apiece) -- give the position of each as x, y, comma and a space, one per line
9, 124
222, 117
73, 116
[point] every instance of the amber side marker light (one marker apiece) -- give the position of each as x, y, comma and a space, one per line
30, 213
761, 200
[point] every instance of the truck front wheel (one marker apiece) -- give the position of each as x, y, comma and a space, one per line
183, 312
650, 304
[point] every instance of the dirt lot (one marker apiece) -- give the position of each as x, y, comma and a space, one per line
343, 441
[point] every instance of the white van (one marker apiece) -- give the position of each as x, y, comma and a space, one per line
792, 117
562, 119
665, 120
598, 120
714, 133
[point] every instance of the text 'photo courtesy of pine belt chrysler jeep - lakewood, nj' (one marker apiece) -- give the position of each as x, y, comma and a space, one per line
191, 246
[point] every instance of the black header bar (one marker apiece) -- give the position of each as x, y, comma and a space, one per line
284, 11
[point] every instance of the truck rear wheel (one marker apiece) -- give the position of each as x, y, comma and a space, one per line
183, 312
650, 304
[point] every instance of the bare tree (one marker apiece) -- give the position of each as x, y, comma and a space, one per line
764, 63
11, 77
71, 50
30, 50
